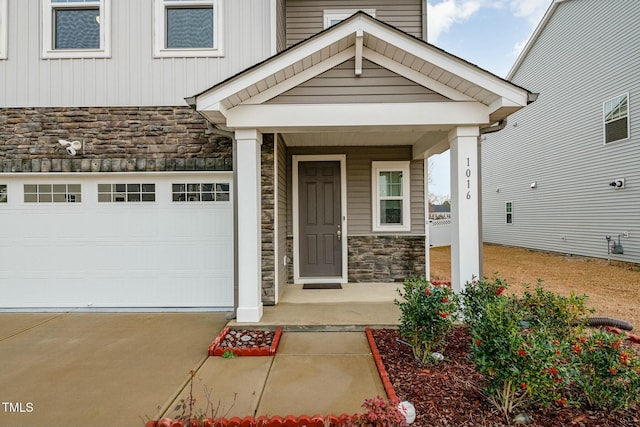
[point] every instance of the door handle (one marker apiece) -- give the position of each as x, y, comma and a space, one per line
339, 234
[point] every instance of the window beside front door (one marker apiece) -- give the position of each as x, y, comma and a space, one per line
391, 196
3, 193
76, 29
187, 28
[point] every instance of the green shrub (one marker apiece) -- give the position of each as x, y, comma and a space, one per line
515, 363
477, 294
427, 315
607, 374
555, 314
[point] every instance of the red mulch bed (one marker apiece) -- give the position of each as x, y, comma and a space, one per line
450, 393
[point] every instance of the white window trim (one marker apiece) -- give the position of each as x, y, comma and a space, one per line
4, 28
405, 168
604, 121
159, 31
48, 50
343, 14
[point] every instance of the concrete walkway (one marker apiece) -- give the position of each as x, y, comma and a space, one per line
97, 369
121, 369
311, 373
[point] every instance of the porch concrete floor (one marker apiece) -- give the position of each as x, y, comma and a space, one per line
354, 307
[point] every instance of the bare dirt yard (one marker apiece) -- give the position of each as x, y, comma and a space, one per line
613, 289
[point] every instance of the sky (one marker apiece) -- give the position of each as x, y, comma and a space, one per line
487, 33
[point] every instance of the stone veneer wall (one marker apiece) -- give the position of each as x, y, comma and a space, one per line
116, 139
385, 259
268, 216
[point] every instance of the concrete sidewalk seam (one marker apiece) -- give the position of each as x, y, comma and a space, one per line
167, 405
264, 385
32, 327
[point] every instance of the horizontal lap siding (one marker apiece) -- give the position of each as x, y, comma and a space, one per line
579, 61
341, 85
358, 159
305, 18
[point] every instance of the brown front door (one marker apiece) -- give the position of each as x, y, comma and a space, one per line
319, 214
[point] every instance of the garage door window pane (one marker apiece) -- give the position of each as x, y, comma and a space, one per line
200, 192
121, 193
52, 193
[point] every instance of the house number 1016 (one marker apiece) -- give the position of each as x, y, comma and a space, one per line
467, 173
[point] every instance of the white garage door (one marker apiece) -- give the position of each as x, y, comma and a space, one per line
116, 240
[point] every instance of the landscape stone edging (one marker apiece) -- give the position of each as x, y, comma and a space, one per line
382, 371
261, 421
215, 349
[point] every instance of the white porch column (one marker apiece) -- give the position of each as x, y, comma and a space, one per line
465, 252
248, 142
427, 222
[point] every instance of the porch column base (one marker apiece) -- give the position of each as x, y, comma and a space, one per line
249, 314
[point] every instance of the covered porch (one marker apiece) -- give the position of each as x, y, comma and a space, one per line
332, 140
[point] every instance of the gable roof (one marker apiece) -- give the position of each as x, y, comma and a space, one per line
362, 36
534, 37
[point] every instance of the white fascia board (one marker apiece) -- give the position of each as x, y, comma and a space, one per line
290, 116
447, 62
279, 63
415, 76
301, 77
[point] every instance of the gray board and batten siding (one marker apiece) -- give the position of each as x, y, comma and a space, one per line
340, 85
358, 161
131, 76
305, 17
588, 53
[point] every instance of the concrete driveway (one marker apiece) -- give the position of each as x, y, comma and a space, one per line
97, 369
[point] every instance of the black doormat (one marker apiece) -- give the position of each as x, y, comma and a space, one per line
322, 286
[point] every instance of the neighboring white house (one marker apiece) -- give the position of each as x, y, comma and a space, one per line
565, 172
133, 146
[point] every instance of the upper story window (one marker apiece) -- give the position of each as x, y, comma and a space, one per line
76, 29
184, 28
4, 28
616, 118
334, 16
391, 203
